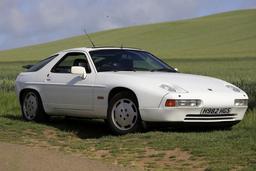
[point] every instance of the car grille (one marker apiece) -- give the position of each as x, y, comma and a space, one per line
210, 117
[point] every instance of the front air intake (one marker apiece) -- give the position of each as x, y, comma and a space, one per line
212, 117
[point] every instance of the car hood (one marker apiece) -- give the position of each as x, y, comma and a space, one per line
188, 82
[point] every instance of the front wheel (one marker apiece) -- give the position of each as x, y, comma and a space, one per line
32, 108
123, 114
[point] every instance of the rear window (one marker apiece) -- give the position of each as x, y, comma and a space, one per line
41, 64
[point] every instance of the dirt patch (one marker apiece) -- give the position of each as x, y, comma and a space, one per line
49, 134
152, 159
99, 154
170, 159
144, 159
22, 158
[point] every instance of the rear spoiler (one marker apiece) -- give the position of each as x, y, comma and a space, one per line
27, 66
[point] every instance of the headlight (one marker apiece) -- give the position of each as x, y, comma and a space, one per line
241, 102
167, 87
173, 88
183, 102
235, 89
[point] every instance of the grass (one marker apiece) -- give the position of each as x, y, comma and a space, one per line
220, 45
219, 149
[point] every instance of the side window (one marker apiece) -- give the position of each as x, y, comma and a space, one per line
41, 64
69, 60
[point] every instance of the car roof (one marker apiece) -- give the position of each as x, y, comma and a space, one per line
88, 49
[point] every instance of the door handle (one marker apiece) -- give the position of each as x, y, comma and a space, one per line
48, 77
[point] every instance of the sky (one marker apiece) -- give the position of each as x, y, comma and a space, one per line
27, 22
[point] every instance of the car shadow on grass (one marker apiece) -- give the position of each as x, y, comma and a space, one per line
96, 128
186, 128
82, 128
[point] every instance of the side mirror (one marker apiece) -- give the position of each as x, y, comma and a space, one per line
176, 69
78, 70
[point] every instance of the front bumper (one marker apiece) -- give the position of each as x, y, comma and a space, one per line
188, 114
193, 114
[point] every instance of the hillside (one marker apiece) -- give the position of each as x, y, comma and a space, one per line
230, 34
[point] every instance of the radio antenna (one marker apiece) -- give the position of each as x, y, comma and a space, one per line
85, 32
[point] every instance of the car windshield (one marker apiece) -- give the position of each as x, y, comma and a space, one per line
127, 60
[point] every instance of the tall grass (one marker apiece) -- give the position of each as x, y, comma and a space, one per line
9, 103
7, 85
250, 89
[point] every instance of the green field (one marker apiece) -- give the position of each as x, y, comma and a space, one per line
223, 35
221, 45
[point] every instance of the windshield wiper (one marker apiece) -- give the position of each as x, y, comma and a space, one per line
139, 69
162, 70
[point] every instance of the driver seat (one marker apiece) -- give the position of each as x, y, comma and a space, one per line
82, 63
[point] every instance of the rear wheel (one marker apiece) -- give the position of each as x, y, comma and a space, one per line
123, 114
32, 108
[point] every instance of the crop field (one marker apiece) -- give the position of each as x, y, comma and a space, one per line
222, 54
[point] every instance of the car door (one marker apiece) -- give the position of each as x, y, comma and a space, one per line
67, 93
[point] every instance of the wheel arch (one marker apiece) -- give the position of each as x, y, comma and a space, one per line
23, 91
117, 90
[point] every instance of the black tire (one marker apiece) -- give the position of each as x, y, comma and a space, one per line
32, 108
128, 114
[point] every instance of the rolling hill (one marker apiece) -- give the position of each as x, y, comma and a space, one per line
230, 34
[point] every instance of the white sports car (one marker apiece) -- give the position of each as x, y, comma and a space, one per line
125, 87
